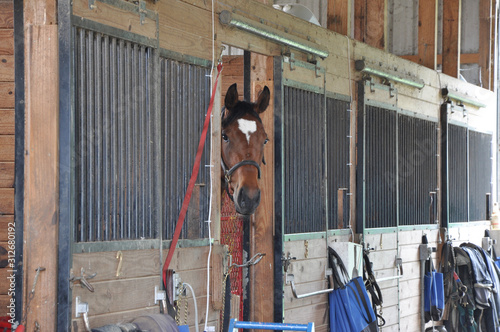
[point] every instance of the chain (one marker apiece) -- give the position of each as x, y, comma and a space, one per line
31, 295
178, 312
185, 307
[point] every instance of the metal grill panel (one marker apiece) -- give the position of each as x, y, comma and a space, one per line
303, 144
337, 127
185, 98
480, 163
417, 170
457, 173
380, 168
115, 139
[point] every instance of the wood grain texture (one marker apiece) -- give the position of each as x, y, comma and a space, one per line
7, 14
7, 122
41, 171
6, 200
338, 16
485, 30
7, 97
6, 68
6, 221
6, 41
451, 37
427, 28
7, 147
7, 174
263, 284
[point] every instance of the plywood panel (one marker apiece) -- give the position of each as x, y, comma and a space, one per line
6, 174
338, 16
317, 313
304, 288
7, 95
6, 68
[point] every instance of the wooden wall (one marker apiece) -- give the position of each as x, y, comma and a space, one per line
119, 299
6, 141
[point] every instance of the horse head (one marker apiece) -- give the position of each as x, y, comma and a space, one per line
242, 148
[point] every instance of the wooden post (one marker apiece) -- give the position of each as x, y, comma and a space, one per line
338, 16
369, 22
427, 31
451, 37
485, 29
41, 163
263, 301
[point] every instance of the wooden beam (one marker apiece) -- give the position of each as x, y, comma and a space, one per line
7, 68
262, 303
41, 173
451, 37
338, 16
485, 29
359, 19
464, 58
7, 14
375, 23
427, 31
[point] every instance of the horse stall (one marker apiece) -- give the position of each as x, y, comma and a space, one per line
366, 152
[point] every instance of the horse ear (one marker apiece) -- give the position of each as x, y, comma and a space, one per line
263, 100
231, 97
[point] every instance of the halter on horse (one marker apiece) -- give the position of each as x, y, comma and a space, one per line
242, 148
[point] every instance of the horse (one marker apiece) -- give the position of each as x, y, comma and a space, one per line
242, 148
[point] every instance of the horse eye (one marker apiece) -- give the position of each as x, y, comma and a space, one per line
225, 138
267, 140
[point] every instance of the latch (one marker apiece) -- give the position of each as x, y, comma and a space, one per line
399, 264
83, 279
160, 295
286, 261
82, 308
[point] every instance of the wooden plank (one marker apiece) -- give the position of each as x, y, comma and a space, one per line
41, 171
291, 302
112, 318
360, 20
4, 302
40, 12
7, 122
375, 20
7, 148
7, 14
7, 97
115, 17
485, 28
7, 174
6, 68
451, 37
262, 285
6, 222
427, 31
135, 264
6, 200
338, 16
317, 313
6, 41
4, 283
465, 58
316, 248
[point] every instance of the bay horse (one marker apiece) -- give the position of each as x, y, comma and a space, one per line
242, 148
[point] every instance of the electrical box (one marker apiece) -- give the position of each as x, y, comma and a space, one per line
352, 256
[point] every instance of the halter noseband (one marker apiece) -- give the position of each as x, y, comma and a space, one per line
229, 172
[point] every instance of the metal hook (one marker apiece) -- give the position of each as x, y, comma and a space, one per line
119, 256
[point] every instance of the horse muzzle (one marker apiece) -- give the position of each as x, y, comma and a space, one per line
246, 200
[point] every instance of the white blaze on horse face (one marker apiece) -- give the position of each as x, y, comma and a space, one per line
247, 127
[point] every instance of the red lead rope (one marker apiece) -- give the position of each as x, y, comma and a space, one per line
192, 180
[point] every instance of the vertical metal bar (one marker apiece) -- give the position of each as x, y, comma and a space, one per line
279, 189
66, 140
98, 137
90, 135
106, 133
114, 168
82, 152
19, 90
444, 166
